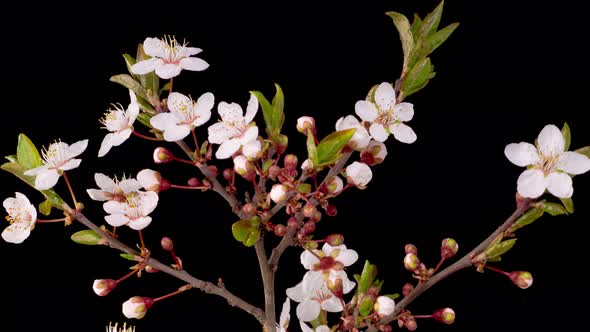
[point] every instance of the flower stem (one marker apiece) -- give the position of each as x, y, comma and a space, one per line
50, 220
140, 267
440, 263
71, 190
146, 137
422, 316
196, 143
187, 187
141, 239
171, 84
180, 160
496, 270
180, 290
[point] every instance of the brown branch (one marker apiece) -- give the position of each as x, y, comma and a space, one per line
204, 286
464, 262
268, 281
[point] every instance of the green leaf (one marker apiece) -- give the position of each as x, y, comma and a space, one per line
27, 154
144, 118
499, 249
585, 151
274, 115
366, 306
568, 203
12, 158
416, 26
405, 34
128, 257
87, 237
392, 296
418, 77
166, 87
145, 105
567, 136
130, 61
554, 209
45, 207
18, 170
439, 37
329, 149
267, 111
149, 81
430, 23
367, 277
304, 188
312, 151
531, 215
131, 84
494, 259
246, 231
278, 104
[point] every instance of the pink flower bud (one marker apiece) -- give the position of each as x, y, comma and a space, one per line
359, 174
281, 145
305, 123
162, 155
150, 269
167, 243
374, 154
309, 210
152, 181
307, 166
384, 306
336, 287
293, 223
274, 171
290, 161
411, 249
411, 262
280, 230
249, 210
333, 185
102, 287
410, 323
252, 150
521, 279
278, 193
137, 306
331, 210
228, 174
335, 239
244, 167
448, 248
194, 182
407, 289
213, 169
316, 217
309, 227
386, 328
446, 315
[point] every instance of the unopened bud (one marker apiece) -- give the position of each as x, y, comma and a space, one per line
274, 171
311, 245
228, 174
446, 315
359, 174
411, 249
137, 306
522, 279
309, 210
309, 227
307, 166
374, 154
280, 230
410, 323
333, 185
384, 306
411, 262
194, 182
293, 223
407, 289
335, 240
331, 210
102, 287
162, 155
305, 123
278, 193
316, 217
282, 144
249, 210
244, 167
150, 269
336, 287
252, 150
290, 161
386, 328
213, 170
167, 243
448, 248
152, 181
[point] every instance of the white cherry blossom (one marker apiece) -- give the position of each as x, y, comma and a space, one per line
21, 215
112, 189
384, 306
58, 157
549, 167
312, 300
320, 328
361, 138
328, 264
235, 129
137, 306
184, 116
134, 212
120, 124
168, 58
285, 316
386, 116
359, 174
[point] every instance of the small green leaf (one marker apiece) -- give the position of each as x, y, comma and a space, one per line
439, 37
531, 215
405, 34
312, 151
329, 149
166, 87
204, 147
367, 277
430, 23
267, 111
554, 209
278, 104
87, 237
274, 115
144, 119
418, 77
149, 81
499, 249
416, 26
145, 105
130, 61
392, 296
267, 164
18, 171
568, 203
131, 84
27, 154
585, 151
12, 158
567, 136
304, 188
494, 259
128, 257
45, 207
366, 306
246, 231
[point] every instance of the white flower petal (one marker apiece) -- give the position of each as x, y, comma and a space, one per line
219, 133
227, 149
140, 223
104, 182
404, 111
522, 154
194, 64
385, 96
46, 179
168, 70
551, 141
116, 220
99, 195
250, 135
154, 47
251, 109
323, 328
163, 120
146, 66
106, 145
120, 137
129, 185
177, 102
176, 133
366, 110
36, 170
378, 132
308, 259
203, 108
76, 149
304, 327
308, 310
16, 233
560, 185
230, 113
296, 293
71, 164
332, 304
133, 108
531, 183
285, 316
403, 133
312, 282
149, 201
347, 257
114, 207
573, 163
188, 51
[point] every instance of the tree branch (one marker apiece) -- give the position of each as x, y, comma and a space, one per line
464, 262
204, 286
268, 280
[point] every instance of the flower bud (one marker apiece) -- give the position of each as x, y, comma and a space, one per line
448, 248
359, 174
316, 217
311, 245
307, 166
213, 169
336, 287
228, 174
293, 223
410, 323
446, 315
411, 249
348, 322
278, 193
152, 180
309, 227
167, 243
281, 145
411, 262
335, 239
244, 167
309, 210
386, 328
102, 287
280, 230
290, 161
150, 269
194, 182
331, 210
305, 123
252, 150
374, 154
521, 279
407, 289
333, 185
137, 306
274, 171
249, 210
384, 306
162, 155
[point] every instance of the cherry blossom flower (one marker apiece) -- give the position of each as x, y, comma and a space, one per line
152, 181
328, 264
549, 167
312, 300
360, 139
359, 174
386, 116
235, 128
384, 306
252, 150
134, 212
305, 123
374, 154
320, 328
184, 116
120, 124
112, 189
21, 215
278, 193
285, 316
137, 306
102, 287
58, 157
168, 58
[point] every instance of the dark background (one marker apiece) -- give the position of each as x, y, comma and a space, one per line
504, 74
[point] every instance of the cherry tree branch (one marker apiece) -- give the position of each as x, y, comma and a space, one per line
204, 286
464, 262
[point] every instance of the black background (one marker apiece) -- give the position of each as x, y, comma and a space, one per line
504, 74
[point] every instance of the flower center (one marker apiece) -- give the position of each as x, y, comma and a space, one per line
115, 120
327, 263
321, 295
55, 155
18, 218
173, 50
548, 164
385, 117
